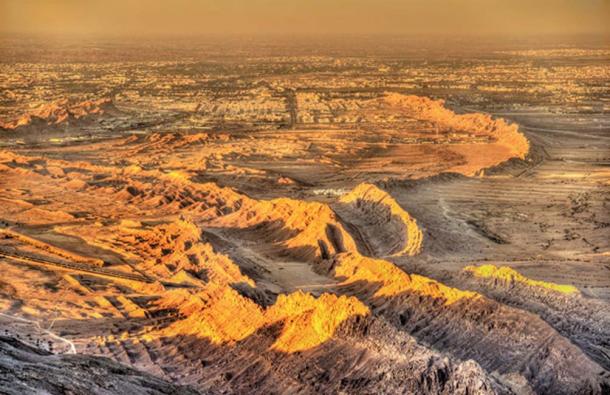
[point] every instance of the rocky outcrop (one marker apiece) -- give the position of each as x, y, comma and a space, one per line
585, 321
468, 325
26, 370
60, 112
390, 230
425, 109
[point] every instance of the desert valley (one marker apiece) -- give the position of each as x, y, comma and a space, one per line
352, 218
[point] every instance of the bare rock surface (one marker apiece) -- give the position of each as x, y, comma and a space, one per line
24, 369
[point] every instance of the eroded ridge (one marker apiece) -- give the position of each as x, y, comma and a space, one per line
302, 230
222, 316
36, 368
392, 230
446, 318
585, 321
510, 276
507, 142
217, 312
222, 310
60, 112
217, 322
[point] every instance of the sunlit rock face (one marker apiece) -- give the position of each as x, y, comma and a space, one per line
510, 276
389, 221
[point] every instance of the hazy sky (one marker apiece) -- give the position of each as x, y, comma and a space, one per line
186, 17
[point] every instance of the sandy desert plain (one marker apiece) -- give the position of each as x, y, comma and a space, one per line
284, 218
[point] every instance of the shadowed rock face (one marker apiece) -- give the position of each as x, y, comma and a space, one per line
24, 369
583, 320
391, 229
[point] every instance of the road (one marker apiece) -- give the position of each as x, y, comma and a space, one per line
79, 267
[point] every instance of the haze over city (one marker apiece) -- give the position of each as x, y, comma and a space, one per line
187, 17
